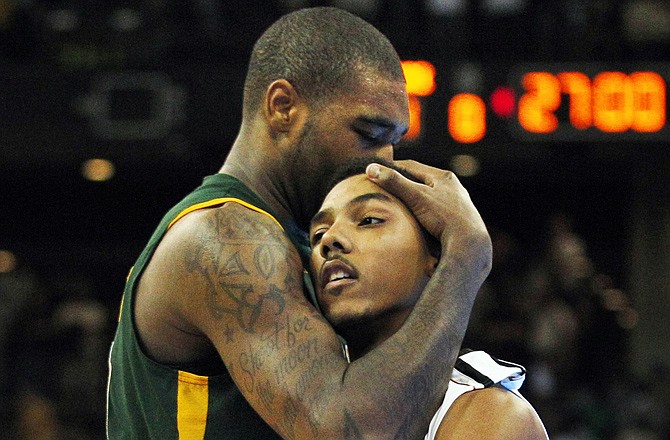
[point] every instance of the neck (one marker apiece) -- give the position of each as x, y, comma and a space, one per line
266, 175
363, 335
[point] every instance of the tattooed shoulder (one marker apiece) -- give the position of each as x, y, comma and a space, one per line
246, 263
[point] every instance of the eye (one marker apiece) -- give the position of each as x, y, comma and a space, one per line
371, 135
368, 138
316, 237
370, 221
378, 136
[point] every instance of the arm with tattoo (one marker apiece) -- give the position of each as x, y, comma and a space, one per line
245, 279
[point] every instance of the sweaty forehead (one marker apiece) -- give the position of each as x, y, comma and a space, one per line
376, 95
384, 93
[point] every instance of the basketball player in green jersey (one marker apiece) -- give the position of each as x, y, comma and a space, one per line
217, 338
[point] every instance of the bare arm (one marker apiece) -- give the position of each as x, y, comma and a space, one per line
244, 279
491, 414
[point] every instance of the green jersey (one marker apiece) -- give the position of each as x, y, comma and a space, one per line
148, 400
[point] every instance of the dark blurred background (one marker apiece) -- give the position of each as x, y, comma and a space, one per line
111, 111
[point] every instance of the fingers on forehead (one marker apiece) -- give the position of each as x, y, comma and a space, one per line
425, 173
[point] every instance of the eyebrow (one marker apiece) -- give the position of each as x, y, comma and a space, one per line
319, 216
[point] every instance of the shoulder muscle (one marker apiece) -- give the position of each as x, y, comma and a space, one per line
239, 262
491, 413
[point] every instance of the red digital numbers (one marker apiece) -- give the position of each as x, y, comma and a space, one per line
420, 78
612, 102
466, 118
578, 103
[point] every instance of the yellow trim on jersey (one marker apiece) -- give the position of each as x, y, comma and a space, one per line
192, 405
130, 272
221, 201
120, 308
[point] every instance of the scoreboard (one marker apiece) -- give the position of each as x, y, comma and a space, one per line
552, 102
53, 118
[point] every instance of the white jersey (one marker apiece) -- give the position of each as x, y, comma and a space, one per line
476, 370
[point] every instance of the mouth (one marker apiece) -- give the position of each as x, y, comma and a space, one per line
336, 274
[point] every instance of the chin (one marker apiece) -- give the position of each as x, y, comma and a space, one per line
345, 317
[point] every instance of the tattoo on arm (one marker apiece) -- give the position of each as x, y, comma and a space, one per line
228, 273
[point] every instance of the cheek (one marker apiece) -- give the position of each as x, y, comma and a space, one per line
343, 146
400, 269
315, 262
395, 271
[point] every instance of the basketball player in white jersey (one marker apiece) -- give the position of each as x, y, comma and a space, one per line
370, 261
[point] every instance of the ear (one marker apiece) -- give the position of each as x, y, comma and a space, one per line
281, 101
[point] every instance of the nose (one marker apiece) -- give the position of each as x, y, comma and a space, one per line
334, 241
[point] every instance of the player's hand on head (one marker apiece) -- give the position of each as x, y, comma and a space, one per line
441, 204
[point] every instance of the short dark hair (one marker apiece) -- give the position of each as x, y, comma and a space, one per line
358, 166
319, 51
